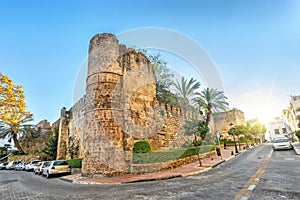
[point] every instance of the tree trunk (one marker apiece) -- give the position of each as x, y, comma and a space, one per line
197, 149
17, 144
199, 159
208, 116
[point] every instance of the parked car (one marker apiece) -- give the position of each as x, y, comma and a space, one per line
19, 166
42, 165
57, 167
36, 166
30, 165
24, 166
12, 164
282, 143
3, 165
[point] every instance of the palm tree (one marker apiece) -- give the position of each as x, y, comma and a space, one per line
211, 100
185, 90
21, 128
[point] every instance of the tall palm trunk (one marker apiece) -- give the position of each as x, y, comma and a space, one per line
208, 115
17, 144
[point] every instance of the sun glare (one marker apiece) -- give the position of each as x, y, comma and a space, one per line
262, 103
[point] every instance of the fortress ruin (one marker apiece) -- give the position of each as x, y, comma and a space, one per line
118, 109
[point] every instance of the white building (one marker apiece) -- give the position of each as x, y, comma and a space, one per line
291, 115
277, 128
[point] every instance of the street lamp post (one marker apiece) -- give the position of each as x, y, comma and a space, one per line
224, 141
233, 129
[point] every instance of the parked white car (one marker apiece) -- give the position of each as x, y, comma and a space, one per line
36, 167
39, 170
282, 143
30, 165
3, 165
19, 166
57, 167
12, 164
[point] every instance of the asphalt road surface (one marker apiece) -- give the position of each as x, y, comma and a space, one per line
258, 173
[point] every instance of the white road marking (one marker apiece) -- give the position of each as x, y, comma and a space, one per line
251, 187
289, 158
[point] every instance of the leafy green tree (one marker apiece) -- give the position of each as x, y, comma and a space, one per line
185, 90
4, 149
257, 130
164, 79
50, 150
247, 133
232, 131
211, 100
198, 128
240, 130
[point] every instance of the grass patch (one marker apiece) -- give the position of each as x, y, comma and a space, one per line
75, 163
164, 156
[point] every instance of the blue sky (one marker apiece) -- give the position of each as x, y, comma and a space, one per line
254, 44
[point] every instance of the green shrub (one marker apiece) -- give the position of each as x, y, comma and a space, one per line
242, 139
142, 147
193, 150
164, 156
75, 163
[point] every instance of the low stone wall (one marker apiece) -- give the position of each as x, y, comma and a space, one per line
24, 158
155, 167
76, 170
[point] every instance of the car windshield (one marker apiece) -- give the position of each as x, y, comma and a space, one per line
60, 162
34, 162
280, 140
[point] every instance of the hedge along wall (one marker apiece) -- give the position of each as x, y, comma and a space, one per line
155, 167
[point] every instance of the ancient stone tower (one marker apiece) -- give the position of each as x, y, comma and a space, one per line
107, 146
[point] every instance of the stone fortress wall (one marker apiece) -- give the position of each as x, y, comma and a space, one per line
222, 120
119, 109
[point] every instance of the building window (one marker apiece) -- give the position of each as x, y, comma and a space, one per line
284, 130
276, 131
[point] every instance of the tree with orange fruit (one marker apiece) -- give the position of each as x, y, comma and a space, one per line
14, 117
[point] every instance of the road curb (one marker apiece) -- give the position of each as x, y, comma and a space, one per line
84, 182
297, 150
197, 172
217, 164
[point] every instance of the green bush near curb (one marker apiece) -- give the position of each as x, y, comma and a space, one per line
164, 156
142, 147
75, 163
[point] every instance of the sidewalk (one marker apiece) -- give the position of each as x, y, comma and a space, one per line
296, 146
183, 171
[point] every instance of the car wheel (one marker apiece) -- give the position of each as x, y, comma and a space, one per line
48, 175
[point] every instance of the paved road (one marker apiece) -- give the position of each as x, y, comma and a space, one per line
279, 181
